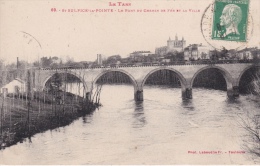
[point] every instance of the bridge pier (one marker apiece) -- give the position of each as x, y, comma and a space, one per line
139, 95
233, 92
187, 93
87, 96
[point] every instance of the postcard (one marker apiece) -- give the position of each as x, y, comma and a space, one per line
133, 82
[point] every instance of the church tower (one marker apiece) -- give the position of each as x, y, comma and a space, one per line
183, 43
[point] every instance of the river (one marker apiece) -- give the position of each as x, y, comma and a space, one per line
160, 130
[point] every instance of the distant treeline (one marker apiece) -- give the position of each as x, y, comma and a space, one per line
18, 69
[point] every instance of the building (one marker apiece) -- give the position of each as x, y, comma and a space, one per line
161, 51
166, 60
248, 53
139, 53
99, 59
196, 52
15, 86
256, 53
172, 46
138, 56
231, 54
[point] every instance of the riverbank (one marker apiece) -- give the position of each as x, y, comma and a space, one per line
20, 121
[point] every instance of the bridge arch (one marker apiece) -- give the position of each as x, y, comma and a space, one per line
134, 83
64, 72
227, 76
243, 72
178, 74
249, 75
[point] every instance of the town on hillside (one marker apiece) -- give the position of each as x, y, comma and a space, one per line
175, 52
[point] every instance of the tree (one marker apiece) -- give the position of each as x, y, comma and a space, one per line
112, 59
54, 65
251, 122
170, 55
180, 56
175, 56
69, 62
53, 62
203, 55
2, 73
1, 64
215, 55
223, 53
36, 64
55, 85
46, 62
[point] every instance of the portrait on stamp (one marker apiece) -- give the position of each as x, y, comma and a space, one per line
230, 20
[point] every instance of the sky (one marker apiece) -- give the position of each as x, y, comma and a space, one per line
30, 30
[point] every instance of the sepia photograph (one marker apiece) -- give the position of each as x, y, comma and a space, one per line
129, 82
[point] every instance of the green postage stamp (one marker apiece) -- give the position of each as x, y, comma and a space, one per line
230, 20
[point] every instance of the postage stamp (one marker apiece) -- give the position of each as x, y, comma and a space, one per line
230, 20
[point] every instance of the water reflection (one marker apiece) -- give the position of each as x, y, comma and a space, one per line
87, 118
233, 100
138, 115
188, 105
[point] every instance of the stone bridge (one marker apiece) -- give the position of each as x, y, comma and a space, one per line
138, 75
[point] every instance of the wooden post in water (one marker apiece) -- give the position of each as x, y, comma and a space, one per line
39, 92
29, 98
78, 91
55, 102
52, 94
64, 93
55, 93
10, 114
2, 112
99, 93
92, 100
18, 103
43, 99
26, 93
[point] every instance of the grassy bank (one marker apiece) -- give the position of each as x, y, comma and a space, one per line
20, 120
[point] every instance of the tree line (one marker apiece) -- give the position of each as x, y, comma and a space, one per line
10, 71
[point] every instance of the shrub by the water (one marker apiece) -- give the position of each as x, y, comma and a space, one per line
47, 117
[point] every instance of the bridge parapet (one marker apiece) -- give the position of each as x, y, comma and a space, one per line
138, 74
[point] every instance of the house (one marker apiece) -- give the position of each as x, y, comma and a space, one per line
248, 53
166, 60
15, 86
256, 53
231, 54
196, 51
138, 56
161, 51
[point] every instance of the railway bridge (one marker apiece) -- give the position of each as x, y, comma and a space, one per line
139, 74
